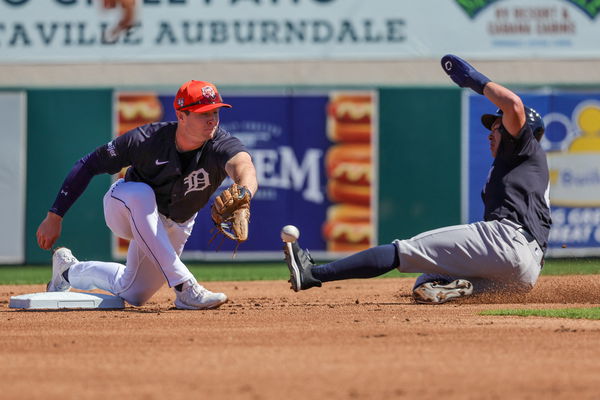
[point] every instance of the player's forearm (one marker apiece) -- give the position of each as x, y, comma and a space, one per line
241, 170
467, 76
73, 186
510, 104
503, 98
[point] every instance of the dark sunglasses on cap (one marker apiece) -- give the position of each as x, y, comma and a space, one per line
203, 102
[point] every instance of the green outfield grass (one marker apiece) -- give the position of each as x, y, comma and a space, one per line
37, 274
573, 313
241, 271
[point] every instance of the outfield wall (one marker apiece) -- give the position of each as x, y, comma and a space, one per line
65, 124
419, 161
419, 167
67, 79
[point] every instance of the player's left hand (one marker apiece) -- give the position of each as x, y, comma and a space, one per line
463, 73
231, 212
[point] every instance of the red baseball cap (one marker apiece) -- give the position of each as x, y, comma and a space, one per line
198, 96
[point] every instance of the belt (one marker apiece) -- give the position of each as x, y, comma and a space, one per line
534, 247
528, 236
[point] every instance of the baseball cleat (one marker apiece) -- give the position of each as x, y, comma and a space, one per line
440, 292
62, 260
300, 264
196, 297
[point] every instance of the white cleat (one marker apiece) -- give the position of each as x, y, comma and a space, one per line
441, 292
62, 260
197, 297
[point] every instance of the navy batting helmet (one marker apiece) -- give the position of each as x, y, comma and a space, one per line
533, 119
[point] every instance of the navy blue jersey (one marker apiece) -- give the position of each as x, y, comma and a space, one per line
518, 185
150, 152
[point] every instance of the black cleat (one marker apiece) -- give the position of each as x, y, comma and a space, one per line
300, 264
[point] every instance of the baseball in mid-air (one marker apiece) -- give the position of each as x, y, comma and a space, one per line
289, 233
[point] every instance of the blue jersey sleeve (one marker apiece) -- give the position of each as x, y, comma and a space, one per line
73, 186
109, 158
116, 154
226, 146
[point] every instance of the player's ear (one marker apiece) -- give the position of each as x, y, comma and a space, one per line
180, 116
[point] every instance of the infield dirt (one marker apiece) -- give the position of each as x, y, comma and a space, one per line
362, 339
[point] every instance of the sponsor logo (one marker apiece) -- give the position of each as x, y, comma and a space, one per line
474, 7
160, 162
112, 150
589, 7
281, 169
180, 101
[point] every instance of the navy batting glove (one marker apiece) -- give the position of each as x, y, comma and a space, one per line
463, 73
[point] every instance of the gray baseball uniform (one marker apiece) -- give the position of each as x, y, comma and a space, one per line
497, 253
507, 248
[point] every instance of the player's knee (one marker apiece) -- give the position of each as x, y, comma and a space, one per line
135, 303
136, 300
140, 195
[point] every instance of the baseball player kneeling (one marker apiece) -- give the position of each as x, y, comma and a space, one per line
174, 168
505, 251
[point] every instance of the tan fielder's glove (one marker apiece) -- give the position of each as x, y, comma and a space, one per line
231, 212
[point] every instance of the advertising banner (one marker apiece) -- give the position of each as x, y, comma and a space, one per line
312, 153
186, 30
572, 144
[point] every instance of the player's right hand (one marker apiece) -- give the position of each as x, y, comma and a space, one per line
463, 73
49, 231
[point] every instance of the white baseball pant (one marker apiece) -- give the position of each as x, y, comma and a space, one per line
153, 257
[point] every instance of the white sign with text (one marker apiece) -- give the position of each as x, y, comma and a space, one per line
187, 30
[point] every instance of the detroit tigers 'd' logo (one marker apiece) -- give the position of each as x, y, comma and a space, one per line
196, 181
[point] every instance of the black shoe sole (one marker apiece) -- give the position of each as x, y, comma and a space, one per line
293, 267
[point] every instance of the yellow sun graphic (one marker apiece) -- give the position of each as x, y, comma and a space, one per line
588, 122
